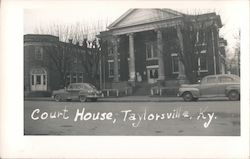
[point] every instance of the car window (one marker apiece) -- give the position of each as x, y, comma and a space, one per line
85, 86
211, 80
77, 87
70, 87
74, 87
225, 79
89, 86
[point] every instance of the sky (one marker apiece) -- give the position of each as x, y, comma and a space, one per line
231, 13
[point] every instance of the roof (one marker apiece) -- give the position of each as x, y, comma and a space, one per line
40, 38
140, 16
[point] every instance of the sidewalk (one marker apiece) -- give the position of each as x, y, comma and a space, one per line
131, 99
119, 99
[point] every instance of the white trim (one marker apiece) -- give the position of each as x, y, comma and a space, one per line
203, 51
174, 54
203, 70
152, 66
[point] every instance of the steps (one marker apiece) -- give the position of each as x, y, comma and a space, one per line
142, 89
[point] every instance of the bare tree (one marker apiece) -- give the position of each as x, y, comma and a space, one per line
70, 35
195, 34
234, 60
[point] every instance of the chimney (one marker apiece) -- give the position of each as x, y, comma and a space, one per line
70, 41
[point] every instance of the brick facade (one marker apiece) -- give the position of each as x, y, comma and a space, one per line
41, 71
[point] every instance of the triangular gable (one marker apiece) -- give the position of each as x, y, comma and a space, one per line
140, 16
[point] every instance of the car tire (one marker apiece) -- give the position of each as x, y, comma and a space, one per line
187, 96
94, 99
82, 98
233, 95
58, 98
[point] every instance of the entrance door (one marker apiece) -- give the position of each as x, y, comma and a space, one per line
152, 73
38, 80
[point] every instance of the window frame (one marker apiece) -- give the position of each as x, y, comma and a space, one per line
153, 50
39, 53
109, 68
174, 55
203, 54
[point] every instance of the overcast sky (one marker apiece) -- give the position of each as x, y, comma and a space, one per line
91, 13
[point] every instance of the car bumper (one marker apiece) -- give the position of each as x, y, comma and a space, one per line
95, 96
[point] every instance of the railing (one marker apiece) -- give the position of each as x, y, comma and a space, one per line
126, 91
159, 90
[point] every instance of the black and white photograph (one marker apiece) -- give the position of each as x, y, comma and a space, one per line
111, 71
151, 71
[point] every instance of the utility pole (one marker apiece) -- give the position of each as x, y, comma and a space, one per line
100, 69
214, 59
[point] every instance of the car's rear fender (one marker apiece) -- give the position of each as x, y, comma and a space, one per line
232, 88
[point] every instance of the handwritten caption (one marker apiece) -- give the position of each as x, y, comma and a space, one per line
127, 115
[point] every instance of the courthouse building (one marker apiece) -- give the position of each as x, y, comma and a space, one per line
152, 45
143, 47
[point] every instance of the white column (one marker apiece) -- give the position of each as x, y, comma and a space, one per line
115, 51
131, 57
182, 74
160, 55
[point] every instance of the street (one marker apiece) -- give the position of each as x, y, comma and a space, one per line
202, 118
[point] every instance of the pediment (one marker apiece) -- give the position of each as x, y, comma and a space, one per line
141, 16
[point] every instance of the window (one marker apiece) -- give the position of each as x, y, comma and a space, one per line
74, 79
153, 73
75, 60
202, 61
110, 51
38, 79
175, 62
44, 80
80, 77
111, 68
211, 80
225, 79
201, 37
38, 53
77, 87
151, 52
32, 79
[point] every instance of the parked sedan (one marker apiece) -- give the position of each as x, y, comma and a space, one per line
222, 85
79, 91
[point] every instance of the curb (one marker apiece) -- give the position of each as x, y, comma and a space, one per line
117, 100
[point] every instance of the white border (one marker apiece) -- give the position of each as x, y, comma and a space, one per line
15, 145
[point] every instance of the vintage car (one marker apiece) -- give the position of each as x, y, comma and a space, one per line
222, 85
79, 91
